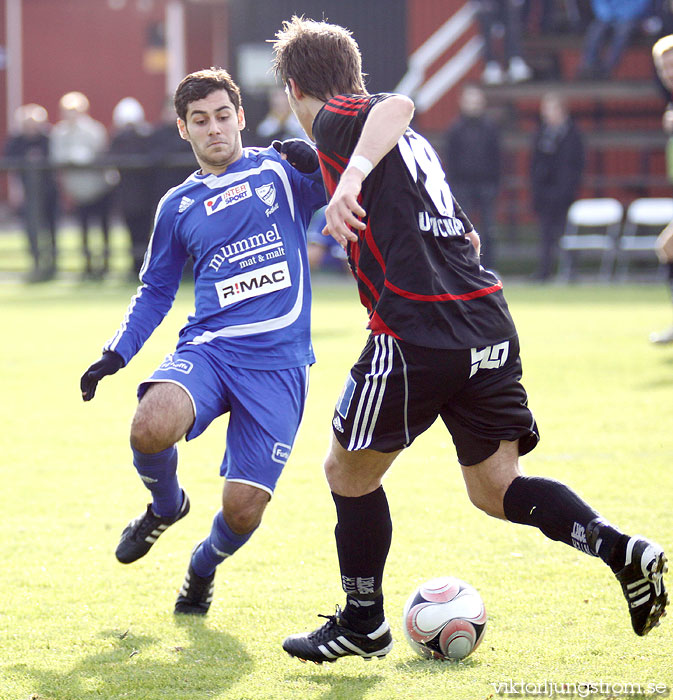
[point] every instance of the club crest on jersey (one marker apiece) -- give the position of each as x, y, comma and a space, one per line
225, 199
267, 193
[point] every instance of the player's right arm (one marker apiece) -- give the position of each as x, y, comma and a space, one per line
385, 125
160, 278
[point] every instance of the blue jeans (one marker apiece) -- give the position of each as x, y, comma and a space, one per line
595, 45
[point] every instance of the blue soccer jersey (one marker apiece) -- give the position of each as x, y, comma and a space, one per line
246, 232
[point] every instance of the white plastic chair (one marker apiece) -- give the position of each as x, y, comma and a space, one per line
591, 225
645, 218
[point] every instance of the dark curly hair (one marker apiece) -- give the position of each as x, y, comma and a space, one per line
198, 85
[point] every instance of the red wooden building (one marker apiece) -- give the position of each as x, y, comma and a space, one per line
110, 49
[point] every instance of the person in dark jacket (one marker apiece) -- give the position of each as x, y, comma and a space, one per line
557, 162
131, 140
33, 189
472, 163
172, 156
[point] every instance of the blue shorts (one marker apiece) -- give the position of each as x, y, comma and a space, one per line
265, 408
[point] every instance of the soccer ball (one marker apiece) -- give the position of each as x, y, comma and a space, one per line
444, 618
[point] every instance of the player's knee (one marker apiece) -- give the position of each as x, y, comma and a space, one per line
335, 473
146, 435
330, 467
490, 501
243, 519
243, 508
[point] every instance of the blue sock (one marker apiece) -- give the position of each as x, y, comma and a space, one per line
220, 544
159, 474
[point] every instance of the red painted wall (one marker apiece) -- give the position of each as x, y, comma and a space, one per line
105, 53
87, 46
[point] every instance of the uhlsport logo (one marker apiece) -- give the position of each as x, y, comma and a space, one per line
280, 452
253, 284
178, 365
225, 199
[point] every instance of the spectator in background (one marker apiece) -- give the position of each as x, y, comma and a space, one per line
555, 15
505, 16
472, 164
172, 156
79, 140
173, 160
33, 193
616, 20
662, 54
136, 190
279, 123
557, 162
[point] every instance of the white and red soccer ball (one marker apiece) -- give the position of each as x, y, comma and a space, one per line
444, 618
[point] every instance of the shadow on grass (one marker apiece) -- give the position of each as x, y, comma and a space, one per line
212, 662
340, 687
354, 687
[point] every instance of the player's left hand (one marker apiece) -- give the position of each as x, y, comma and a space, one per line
299, 154
109, 363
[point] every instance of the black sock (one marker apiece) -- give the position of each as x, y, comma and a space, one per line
363, 536
563, 516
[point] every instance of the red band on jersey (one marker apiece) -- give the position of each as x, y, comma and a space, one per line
377, 326
348, 106
351, 101
444, 297
328, 177
369, 238
330, 161
337, 110
372, 289
330, 182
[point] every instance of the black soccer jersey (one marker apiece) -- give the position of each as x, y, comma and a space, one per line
418, 274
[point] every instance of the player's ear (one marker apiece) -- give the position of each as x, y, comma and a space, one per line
182, 129
293, 89
241, 119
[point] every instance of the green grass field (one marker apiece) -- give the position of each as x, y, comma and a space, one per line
75, 624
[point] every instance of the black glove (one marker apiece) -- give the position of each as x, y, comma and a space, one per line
299, 153
109, 363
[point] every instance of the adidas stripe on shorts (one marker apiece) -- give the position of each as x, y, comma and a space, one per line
396, 391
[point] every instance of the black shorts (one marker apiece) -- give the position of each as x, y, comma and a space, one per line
396, 390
